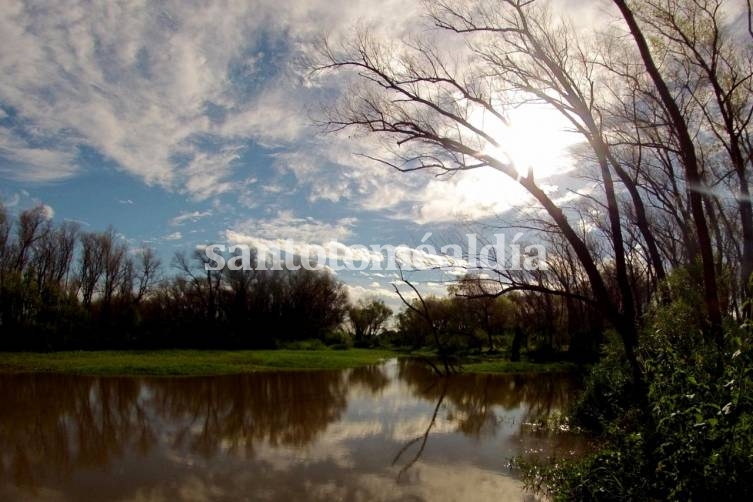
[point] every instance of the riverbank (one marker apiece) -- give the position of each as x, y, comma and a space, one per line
187, 362
225, 362
500, 366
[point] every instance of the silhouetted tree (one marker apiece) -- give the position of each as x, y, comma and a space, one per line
367, 320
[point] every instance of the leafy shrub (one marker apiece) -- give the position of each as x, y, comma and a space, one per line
338, 339
696, 443
312, 344
605, 405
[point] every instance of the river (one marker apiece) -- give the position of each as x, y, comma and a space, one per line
387, 432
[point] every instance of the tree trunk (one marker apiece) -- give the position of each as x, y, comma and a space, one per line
692, 173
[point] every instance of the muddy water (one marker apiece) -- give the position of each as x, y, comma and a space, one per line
387, 432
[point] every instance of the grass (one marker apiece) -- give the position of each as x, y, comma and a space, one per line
186, 362
504, 366
226, 362
499, 362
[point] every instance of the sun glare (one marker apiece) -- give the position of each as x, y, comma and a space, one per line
538, 138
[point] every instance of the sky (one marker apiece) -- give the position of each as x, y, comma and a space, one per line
184, 123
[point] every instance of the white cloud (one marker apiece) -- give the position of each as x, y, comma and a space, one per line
302, 236
422, 259
49, 212
192, 216
22, 161
148, 85
12, 201
470, 195
375, 290
175, 236
206, 175
176, 100
286, 225
329, 251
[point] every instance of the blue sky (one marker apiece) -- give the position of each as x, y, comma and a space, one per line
183, 123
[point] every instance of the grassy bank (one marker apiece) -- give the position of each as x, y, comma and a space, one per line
225, 362
502, 366
186, 362
499, 362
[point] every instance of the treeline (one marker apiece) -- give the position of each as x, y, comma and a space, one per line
472, 316
662, 103
653, 228
65, 288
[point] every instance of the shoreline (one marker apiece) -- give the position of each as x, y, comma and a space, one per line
193, 362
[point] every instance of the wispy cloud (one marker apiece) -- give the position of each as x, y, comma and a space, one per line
149, 86
286, 225
23, 160
192, 216
180, 102
175, 236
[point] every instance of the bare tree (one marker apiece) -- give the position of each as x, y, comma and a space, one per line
147, 272
690, 163
653, 117
32, 225
53, 256
5, 242
427, 105
114, 265
91, 266
205, 282
721, 68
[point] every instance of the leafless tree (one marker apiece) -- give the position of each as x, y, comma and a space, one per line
427, 106
204, 282
654, 108
32, 225
53, 256
147, 272
91, 266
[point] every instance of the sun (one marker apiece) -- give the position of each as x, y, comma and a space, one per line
538, 138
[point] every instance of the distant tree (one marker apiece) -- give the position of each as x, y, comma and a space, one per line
91, 266
204, 283
117, 270
367, 319
32, 225
491, 314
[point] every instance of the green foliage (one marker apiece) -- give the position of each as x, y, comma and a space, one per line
697, 441
461, 323
367, 320
338, 339
310, 344
490, 364
613, 474
605, 404
187, 362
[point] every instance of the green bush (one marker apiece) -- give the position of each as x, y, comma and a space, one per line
697, 441
605, 406
339, 339
312, 344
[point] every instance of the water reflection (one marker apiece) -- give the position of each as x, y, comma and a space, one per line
376, 433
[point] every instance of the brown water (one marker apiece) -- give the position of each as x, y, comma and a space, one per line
388, 432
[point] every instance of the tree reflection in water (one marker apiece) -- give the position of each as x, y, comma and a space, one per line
55, 429
473, 402
53, 424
